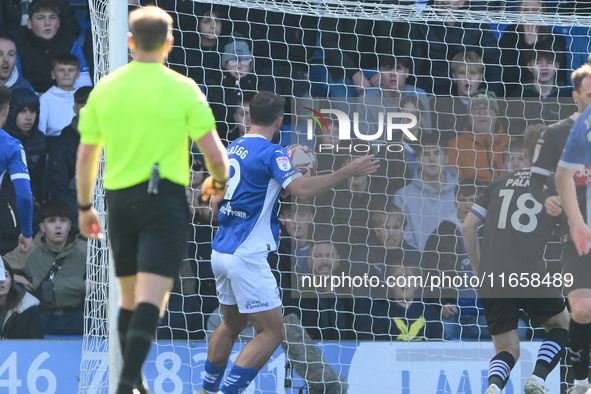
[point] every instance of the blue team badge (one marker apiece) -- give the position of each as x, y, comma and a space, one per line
283, 163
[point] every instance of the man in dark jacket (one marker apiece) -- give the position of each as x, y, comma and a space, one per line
226, 88
62, 307
38, 45
62, 157
15, 14
23, 118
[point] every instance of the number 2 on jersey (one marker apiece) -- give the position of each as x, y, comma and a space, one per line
522, 209
232, 183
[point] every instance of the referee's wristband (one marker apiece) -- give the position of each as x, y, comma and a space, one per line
219, 185
85, 207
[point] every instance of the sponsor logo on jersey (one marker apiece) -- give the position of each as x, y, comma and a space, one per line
283, 163
227, 210
252, 304
583, 177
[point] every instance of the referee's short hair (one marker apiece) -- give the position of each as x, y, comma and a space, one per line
150, 26
4, 96
579, 74
265, 108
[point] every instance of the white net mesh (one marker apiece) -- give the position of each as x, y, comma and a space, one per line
309, 49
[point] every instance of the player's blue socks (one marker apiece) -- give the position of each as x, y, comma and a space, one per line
239, 378
500, 368
551, 351
213, 377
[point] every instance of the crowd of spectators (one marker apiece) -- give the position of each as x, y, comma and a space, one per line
472, 89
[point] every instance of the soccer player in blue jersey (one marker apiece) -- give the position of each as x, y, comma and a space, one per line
249, 230
14, 161
576, 157
548, 154
573, 170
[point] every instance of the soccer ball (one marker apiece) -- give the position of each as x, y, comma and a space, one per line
303, 158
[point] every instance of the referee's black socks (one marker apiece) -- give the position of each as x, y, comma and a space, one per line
140, 334
579, 336
551, 351
500, 368
122, 326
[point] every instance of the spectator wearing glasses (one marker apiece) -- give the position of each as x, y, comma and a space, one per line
225, 89
477, 153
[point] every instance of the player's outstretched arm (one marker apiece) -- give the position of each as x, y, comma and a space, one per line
24, 206
580, 232
469, 233
86, 170
315, 185
216, 161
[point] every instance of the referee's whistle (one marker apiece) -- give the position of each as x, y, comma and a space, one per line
154, 180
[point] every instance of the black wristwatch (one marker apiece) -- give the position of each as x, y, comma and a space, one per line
85, 207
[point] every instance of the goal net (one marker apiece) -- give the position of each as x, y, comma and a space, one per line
452, 69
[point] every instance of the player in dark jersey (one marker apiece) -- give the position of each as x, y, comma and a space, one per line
514, 219
548, 152
552, 142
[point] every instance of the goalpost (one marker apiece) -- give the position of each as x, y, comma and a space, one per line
194, 294
101, 358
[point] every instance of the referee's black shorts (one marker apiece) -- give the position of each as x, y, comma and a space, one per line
502, 314
148, 233
577, 266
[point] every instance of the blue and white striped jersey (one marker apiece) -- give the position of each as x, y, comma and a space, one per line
259, 170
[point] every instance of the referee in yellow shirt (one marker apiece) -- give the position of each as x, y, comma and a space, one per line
143, 114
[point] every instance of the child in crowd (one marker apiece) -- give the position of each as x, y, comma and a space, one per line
57, 104
386, 243
241, 117
453, 113
43, 40
513, 156
542, 99
62, 153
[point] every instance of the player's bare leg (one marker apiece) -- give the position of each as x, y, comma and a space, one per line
225, 335
270, 334
580, 338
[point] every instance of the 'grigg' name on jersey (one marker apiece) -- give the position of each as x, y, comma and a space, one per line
237, 150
